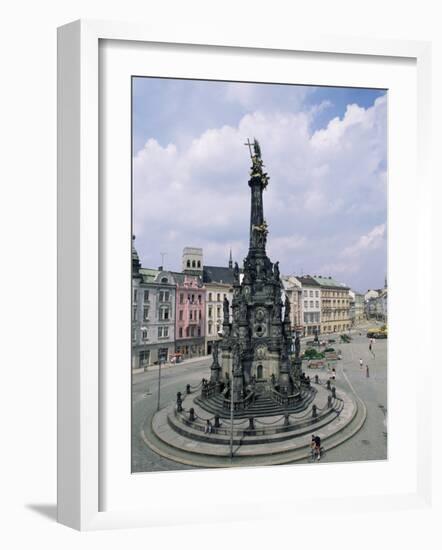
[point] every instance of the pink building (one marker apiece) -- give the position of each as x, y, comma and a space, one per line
190, 316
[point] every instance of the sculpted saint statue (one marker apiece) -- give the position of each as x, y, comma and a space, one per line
276, 270
236, 273
226, 309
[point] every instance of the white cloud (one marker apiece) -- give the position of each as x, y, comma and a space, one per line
325, 187
371, 241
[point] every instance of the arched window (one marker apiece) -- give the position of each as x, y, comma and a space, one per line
188, 263
259, 371
193, 263
199, 263
164, 280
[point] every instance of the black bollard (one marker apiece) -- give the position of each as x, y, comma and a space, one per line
251, 423
179, 402
316, 379
329, 401
192, 414
333, 392
188, 388
217, 422
286, 420
314, 411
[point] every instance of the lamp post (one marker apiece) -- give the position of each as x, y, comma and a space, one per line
231, 411
160, 361
145, 347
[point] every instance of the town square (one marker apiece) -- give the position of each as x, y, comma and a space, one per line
268, 381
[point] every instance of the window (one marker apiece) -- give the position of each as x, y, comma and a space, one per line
164, 280
210, 328
135, 294
134, 335
311, 292
200, 315
163, 332
199, 298
146, 295
192, 331
180, 332
134, 313
199, 331
164, 314
305, 293
317, 293
316, 303
199, 263
193, 263
188, 263
218, 311
305, 303
144, 334
190, 315
311, 303
181, 314
210, 311
145, 313
218, 297
164, 295
181, 298
187, 331
210, 296
144, 357
193, 298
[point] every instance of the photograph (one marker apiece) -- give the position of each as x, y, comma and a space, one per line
259, 299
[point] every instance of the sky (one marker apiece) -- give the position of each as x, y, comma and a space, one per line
324, 148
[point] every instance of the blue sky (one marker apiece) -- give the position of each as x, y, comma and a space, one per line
325, 150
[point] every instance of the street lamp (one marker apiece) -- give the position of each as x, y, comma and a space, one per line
145, 346
160, 361
221, 336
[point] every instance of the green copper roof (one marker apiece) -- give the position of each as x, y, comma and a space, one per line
148, 274
328, 281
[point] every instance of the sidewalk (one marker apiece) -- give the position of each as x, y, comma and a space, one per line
169, 365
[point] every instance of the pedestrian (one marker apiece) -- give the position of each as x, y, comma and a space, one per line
367, 372
208, 428
369, 345
333, 374
361, 363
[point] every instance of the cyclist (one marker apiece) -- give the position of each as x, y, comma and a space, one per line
317, 451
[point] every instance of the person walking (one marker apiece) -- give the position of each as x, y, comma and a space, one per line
367, 372
361, 364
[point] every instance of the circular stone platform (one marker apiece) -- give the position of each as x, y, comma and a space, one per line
267, 441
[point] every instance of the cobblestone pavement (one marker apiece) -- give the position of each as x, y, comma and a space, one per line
370, 443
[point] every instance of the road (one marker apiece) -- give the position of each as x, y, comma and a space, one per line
370, 443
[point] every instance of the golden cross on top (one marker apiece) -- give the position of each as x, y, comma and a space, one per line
249, 144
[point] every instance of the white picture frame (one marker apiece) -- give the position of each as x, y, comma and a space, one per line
80, 442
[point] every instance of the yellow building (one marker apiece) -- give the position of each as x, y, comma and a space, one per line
335, 305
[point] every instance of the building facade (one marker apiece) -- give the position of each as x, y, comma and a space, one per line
311, 305
335, 305
190, 316
293, 290
153, 315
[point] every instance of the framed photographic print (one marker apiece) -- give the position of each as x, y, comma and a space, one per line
232, 313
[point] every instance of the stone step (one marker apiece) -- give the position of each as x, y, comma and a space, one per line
261, 435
